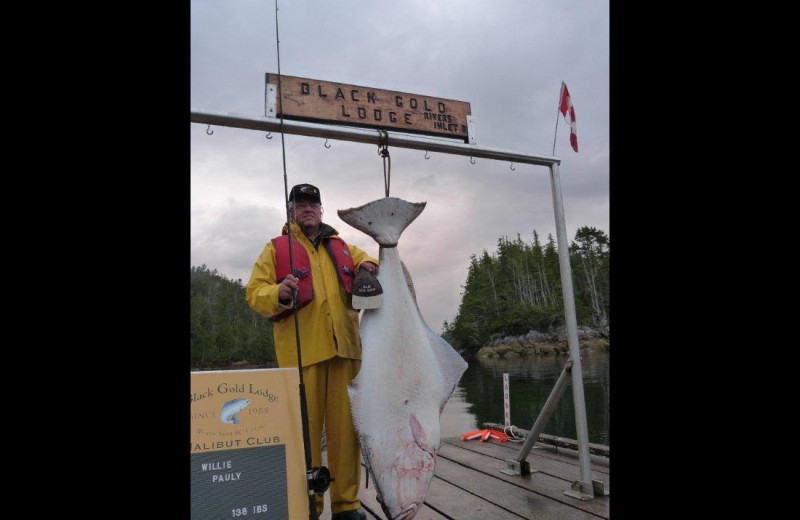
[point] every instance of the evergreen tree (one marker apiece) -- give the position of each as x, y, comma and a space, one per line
223, 327
519, 288
590, 248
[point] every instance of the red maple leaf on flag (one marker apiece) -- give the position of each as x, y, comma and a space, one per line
568, 111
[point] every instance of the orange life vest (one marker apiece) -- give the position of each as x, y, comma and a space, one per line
339, 253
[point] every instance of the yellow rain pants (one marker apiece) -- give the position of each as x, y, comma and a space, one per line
326, 394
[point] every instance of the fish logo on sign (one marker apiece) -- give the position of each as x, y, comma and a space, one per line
231, 408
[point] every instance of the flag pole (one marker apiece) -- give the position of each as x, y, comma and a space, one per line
558, 109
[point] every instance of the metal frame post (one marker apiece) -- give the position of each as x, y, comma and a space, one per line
582, 488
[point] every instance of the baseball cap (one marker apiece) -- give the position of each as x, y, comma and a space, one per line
305, 192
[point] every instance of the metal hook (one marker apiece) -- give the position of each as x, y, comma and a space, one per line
472, 160
269, 135
326, 143
209, 131
426, 155
383, 140
512, 167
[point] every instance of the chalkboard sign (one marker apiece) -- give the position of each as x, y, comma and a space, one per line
247, 458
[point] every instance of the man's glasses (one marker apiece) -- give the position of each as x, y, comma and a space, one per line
301, 205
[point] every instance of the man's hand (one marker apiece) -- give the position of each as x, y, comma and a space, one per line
286, 286
369, 266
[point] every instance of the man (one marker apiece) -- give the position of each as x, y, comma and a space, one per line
329, 334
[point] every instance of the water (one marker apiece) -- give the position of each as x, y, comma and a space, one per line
478, 398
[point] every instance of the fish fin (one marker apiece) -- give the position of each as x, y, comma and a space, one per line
352, 390
451, 364
409, 282
355, 409
386, 510
383, 219
420, 436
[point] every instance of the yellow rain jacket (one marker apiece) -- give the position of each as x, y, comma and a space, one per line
329, 324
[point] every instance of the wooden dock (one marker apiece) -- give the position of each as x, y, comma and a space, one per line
468, 484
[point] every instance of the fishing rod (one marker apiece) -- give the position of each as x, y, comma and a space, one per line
318, 478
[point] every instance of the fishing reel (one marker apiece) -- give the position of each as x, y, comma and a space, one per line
319, 479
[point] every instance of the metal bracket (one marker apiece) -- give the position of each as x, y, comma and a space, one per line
518, 469
271, 100
583, 491
470, 129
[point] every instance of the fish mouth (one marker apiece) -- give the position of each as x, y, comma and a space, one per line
407, 513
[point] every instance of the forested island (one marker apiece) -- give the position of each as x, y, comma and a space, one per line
510, 294
224, 330
517, 290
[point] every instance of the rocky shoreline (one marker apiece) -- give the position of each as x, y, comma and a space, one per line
499, 347
538, 344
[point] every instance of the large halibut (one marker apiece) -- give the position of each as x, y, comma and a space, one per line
407, 371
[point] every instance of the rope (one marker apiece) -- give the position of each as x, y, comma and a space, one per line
383, 151
513, 437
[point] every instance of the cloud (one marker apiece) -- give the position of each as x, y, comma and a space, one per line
506, 59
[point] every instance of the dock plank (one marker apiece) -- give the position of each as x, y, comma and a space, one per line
365, 496
564, 442
468, 484
550, 451
540, 483
562, 467
460, 504
525, 503
560, 453
570, 456
370, 504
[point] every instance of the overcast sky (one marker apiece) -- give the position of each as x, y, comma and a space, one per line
506, 58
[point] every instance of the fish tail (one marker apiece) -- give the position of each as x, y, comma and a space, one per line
383, 219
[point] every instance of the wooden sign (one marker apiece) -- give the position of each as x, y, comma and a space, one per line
247, 457
320, 101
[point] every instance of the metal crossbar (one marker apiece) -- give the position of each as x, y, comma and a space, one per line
358, 135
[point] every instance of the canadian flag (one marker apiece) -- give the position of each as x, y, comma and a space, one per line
569, 115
